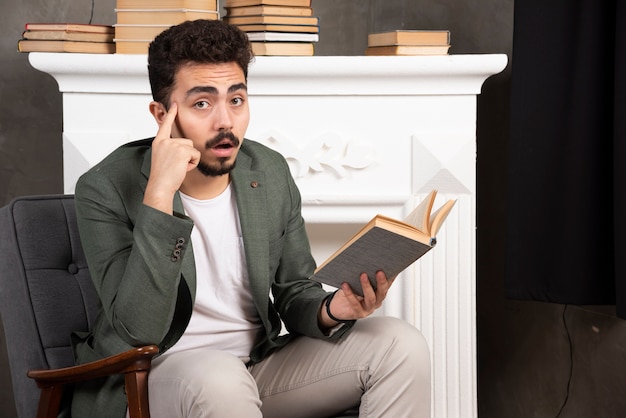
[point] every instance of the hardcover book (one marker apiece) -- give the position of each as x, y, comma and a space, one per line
409, 37
70, 27
385, 244
280, 28
408, 50
269, 10
282, 48
61, 35
272, 20
132, 46
27, 45
167, 4
239, 3
138, 32
161, 16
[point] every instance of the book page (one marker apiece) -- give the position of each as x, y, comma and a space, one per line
419, 217
439, 216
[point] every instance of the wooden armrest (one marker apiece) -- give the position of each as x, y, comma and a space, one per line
136, 359
134, 364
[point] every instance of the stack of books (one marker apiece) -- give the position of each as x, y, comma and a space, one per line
140, 21
67, 37
276, 27
409, 42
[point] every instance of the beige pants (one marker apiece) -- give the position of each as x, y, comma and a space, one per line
383, 364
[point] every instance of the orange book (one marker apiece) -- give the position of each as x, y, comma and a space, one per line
28, 45
161, 16
240, 3
409, 37
167, 4
272, 20
282, 48
70, 27
61, 35
408, 50
138, 32
123, 46
280, 28
269, 10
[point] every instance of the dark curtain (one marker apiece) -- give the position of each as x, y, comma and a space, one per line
566, 203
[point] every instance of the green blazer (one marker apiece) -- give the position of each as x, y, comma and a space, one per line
141, 262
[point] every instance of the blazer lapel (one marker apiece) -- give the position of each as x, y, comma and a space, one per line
252, 206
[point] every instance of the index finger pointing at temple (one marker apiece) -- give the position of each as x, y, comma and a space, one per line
165, 130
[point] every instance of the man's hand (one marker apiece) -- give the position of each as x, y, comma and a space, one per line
347, 305
172, 158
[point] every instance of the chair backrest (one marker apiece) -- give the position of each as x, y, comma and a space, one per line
46, 292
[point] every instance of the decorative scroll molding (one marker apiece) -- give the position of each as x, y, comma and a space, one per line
325, 152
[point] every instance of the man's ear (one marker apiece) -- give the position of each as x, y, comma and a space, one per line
158, 111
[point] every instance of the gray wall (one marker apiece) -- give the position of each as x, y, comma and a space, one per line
523, 347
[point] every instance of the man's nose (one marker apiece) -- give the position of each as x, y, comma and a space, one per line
223, 119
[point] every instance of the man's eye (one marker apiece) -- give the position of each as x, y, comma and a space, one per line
202, 104
238, 101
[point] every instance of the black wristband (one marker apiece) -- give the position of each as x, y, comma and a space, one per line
329, 298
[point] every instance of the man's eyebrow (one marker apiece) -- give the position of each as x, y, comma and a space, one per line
201, 89
213, 90
238, 86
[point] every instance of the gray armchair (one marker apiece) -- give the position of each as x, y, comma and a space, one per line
45, 294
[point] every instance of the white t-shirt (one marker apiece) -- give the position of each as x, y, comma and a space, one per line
224, 315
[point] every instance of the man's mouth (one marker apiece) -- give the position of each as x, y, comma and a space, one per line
225, 144
223, 141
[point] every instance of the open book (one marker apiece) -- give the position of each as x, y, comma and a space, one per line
385, 244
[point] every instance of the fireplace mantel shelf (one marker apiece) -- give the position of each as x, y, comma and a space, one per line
362, 135
324, 75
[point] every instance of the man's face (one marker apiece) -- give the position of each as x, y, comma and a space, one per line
213, 112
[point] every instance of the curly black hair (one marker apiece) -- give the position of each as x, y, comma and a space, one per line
195, 41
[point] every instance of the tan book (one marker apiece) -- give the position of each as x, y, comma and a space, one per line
408, 50
61, 35
144, 32
280, 28
27, 45
385, 244
409, 37
167, 4
69, 27
269, 10
282, 48
272, 20
240, 3
132, 46
161, 16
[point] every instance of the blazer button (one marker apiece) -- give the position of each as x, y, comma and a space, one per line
254, 184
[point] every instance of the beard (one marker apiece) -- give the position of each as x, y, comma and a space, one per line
222, 165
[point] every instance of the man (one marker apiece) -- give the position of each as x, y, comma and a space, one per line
196, 243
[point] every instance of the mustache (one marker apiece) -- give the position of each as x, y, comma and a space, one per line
213, 142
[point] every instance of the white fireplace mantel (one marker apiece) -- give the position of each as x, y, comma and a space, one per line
363, 135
